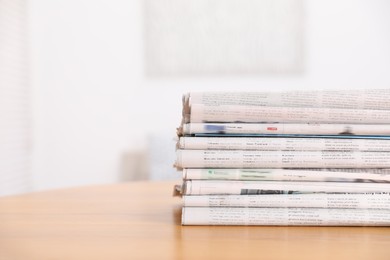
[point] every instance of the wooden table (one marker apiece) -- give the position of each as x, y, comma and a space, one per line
141, 220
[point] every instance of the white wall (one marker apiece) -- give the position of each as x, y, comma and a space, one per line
93, 103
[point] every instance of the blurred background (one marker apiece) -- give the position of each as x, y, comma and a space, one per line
90, 90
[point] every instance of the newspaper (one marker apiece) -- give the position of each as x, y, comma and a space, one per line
377, 99
285, 144
220, 187
284, 128
371, 175
280, 159
285, 216
347, 201
257, 114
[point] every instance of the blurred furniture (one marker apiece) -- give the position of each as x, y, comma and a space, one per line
153, 163
141, 220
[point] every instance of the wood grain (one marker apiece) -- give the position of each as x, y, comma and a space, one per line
141, 220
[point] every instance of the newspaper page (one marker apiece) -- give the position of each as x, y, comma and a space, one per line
377, 99
256, 114
280, 159
216, 187
285, 216
346, 201
281, 128
282, 144
380, 175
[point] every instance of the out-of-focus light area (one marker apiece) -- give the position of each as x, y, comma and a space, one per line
90, 91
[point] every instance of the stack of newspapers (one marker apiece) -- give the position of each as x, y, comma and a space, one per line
285, 158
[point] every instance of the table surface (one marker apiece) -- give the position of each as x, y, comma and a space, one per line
141, 220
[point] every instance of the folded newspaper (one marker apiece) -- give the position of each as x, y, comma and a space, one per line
344, 131
280, 159
293, 174
316, 106
284, 216
282, 144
